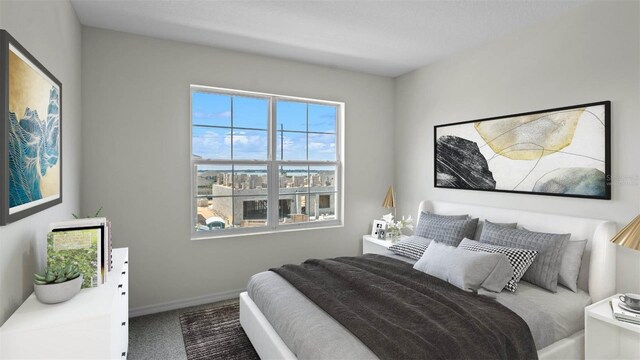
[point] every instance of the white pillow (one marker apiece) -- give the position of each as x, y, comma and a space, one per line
467, 270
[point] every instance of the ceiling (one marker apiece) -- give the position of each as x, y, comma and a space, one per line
386, 38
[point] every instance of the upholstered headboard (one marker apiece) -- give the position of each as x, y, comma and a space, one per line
598, 269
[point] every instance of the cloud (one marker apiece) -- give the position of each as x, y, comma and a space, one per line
202, 115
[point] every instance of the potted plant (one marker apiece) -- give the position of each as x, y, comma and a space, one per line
394, 228
57, 284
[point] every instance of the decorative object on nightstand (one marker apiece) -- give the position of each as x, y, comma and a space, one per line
394, 228
629, 236
389, 201
378, 229
606, 337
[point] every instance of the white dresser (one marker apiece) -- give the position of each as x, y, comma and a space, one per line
92, 325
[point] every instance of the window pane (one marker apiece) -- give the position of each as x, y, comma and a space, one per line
211, 177
293, 177
250, 180
294, 182
250, 112
211, 143
322, 178
213, 213
251, 211
322, 147
210, 109
291, 115
322, 206
322, 118
250, 144
291, 146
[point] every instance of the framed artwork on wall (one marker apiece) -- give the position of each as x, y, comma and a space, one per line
559, 152
30, 135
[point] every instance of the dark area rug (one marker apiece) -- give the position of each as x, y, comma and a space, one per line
215, 333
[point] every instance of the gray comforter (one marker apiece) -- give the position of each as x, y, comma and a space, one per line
401, 313
304, 327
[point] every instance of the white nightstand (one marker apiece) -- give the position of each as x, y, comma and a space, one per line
373, 245
608, 338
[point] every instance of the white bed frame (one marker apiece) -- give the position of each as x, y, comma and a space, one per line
597, 273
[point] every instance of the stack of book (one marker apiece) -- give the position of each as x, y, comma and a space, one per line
86, 242
624, 313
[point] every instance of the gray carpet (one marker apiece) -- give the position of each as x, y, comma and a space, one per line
159, 336
215, 333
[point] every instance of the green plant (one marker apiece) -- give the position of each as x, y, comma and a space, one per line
89, 216
57, 274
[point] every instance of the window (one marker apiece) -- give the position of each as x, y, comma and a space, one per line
263, 162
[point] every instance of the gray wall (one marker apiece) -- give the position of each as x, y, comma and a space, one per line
50, 31
136, 159
590, 54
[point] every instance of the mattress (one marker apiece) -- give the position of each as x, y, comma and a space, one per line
307, 329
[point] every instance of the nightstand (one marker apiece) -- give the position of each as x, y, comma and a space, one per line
373, 245
608, 338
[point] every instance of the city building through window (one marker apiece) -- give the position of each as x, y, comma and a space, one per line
263, 162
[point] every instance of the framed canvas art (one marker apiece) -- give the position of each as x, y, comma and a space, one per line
560, 152
30, 135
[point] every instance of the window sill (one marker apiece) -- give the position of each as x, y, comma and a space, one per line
266, 231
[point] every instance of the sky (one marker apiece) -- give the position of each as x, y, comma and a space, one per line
211, 116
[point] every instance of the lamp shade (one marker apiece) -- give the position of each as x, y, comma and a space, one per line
629, 236
389, 199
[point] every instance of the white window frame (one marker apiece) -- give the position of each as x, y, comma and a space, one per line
272, 164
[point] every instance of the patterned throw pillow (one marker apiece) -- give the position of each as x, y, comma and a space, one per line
412, 247
550, 247
449, 230
520, 259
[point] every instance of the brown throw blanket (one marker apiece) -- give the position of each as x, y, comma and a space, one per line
402, 313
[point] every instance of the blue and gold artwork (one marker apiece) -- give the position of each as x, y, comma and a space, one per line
33, 134
562, 152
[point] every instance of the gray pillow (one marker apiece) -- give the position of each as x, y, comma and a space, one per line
570, 267
468, 270
412, 247
520, 259
445, 229
550, 247
450, 217
425, 217
481, 225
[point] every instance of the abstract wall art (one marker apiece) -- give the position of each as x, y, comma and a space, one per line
559, 152
30, 135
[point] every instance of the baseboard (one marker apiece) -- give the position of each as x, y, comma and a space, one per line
183, 303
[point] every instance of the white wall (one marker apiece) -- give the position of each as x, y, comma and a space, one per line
136, 159
590, 54
50, 31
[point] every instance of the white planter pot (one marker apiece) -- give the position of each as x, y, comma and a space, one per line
57, 293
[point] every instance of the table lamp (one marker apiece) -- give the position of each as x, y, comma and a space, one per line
629, 236
389, 201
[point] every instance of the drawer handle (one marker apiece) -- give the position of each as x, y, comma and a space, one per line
124, 293
123, 354
124, 272
119, 286
124, 323
126, 262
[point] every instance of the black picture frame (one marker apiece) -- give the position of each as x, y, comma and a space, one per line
598, 186
9, 214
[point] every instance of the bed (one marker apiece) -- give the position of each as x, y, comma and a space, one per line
284, 324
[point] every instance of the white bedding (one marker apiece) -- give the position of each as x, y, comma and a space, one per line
302, 325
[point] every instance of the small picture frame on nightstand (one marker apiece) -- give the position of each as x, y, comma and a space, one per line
379, 229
